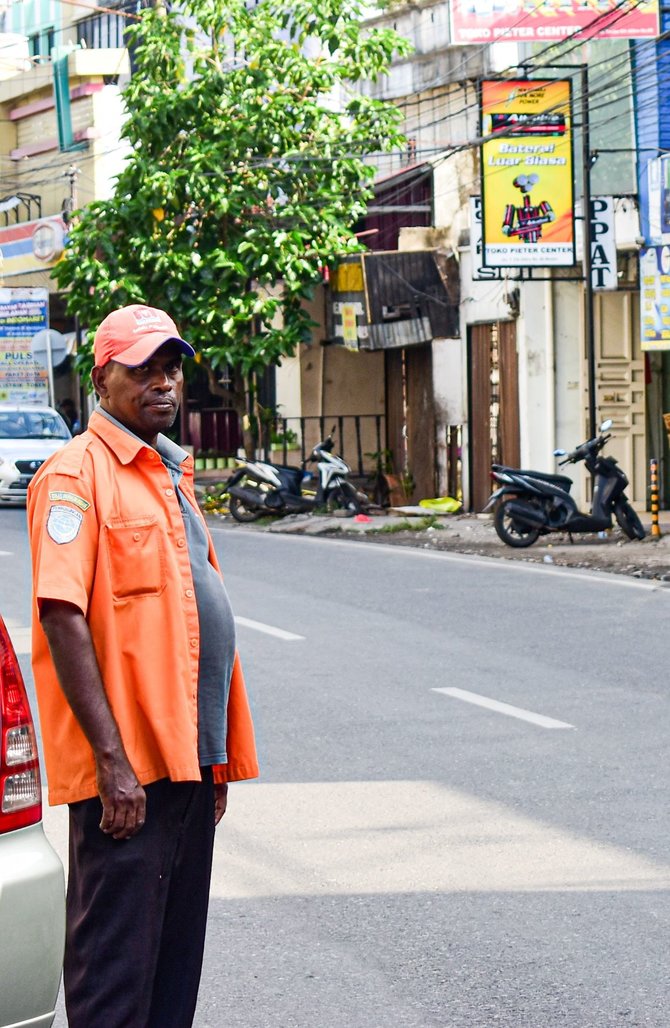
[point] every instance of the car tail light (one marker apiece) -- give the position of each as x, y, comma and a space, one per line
20, 792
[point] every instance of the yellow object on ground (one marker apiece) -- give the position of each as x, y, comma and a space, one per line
442, 505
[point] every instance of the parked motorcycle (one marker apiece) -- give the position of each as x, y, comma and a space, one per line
259, 487
531, 503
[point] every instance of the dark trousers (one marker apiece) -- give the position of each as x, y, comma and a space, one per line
137, 911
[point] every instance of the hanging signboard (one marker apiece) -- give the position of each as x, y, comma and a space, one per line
655, 298
529, 21
526, 160
658, 200
23, 312
603, 244
31, 246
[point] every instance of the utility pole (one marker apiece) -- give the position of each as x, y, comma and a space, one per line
71, 201
589, 334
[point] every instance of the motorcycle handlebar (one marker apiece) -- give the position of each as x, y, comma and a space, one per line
328, 444
582, 452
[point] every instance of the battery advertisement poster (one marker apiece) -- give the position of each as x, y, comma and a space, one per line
23, 312
655, 298
547, 21
527, 189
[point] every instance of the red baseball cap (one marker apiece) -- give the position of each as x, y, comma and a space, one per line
132, 334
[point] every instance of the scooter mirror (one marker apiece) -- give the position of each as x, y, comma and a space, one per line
606, 425
560, 453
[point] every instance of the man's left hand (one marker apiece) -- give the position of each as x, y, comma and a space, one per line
220, 800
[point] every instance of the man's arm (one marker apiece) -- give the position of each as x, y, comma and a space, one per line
123, 798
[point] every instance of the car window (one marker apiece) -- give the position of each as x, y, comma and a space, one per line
24, 424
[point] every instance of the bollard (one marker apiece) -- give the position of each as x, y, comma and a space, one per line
653, 472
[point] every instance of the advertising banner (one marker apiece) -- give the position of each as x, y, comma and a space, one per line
485, 21
526, 159
655, 298
23, 312
603, 244
658, 200
31, 246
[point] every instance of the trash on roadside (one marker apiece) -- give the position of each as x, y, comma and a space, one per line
442, 505
362, 518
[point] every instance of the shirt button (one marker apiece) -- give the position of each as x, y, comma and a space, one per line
181, 542
194, 642
169, 492
189, 593
136, 536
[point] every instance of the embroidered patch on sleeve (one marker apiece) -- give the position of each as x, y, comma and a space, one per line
63, 524
78, 501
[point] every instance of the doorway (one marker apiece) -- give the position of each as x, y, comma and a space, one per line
493, 373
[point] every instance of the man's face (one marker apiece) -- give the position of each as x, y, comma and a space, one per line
144, 399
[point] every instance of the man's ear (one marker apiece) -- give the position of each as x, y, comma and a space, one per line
98, 378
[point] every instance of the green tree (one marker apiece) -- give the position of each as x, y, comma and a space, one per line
246, 172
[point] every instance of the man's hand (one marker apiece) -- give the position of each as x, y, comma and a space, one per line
122, 796
123, 799
220, 800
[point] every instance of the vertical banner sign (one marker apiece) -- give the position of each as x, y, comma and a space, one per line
603, 244
526, 159
655, 298
23, 312
349, 326
480, 273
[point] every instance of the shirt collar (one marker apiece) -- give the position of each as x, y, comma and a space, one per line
127, 445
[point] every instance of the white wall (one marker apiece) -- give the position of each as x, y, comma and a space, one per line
535, 344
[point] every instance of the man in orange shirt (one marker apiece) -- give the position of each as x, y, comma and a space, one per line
143, 706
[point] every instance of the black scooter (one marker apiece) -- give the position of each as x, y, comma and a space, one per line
532, 503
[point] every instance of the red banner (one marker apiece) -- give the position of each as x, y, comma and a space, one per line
485, 21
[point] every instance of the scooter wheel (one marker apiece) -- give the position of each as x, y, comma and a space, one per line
242, 513
349, 498
628, 521
512, 532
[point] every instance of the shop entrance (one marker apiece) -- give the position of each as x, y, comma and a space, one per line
493, 371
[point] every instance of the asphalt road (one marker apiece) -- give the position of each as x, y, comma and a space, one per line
414, 859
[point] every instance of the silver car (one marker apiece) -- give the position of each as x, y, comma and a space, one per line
28, 435
32, 895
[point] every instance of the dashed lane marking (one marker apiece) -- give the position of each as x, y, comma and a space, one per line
258, 626
504, 708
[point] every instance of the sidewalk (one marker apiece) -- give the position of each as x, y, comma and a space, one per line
474, 534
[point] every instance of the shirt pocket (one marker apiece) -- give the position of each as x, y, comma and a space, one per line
136, 552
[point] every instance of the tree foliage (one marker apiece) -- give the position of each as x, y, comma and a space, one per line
246, 172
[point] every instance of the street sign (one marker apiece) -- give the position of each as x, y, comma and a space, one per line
45, 341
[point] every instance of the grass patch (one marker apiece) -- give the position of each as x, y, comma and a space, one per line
415, 525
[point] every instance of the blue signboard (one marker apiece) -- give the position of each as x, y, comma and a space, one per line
23, 313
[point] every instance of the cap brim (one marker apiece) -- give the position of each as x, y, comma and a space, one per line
145, 348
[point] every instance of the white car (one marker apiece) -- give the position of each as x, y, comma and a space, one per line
32, 894
28, 435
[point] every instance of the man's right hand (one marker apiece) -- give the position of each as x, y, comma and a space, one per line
123, 799
122, 796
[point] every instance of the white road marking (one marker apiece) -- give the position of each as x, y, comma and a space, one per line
504, 708
6, 553
258, 626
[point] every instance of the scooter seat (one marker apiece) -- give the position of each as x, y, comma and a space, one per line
562, 481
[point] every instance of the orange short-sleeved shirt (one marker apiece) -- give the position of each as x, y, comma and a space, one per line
107, 535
